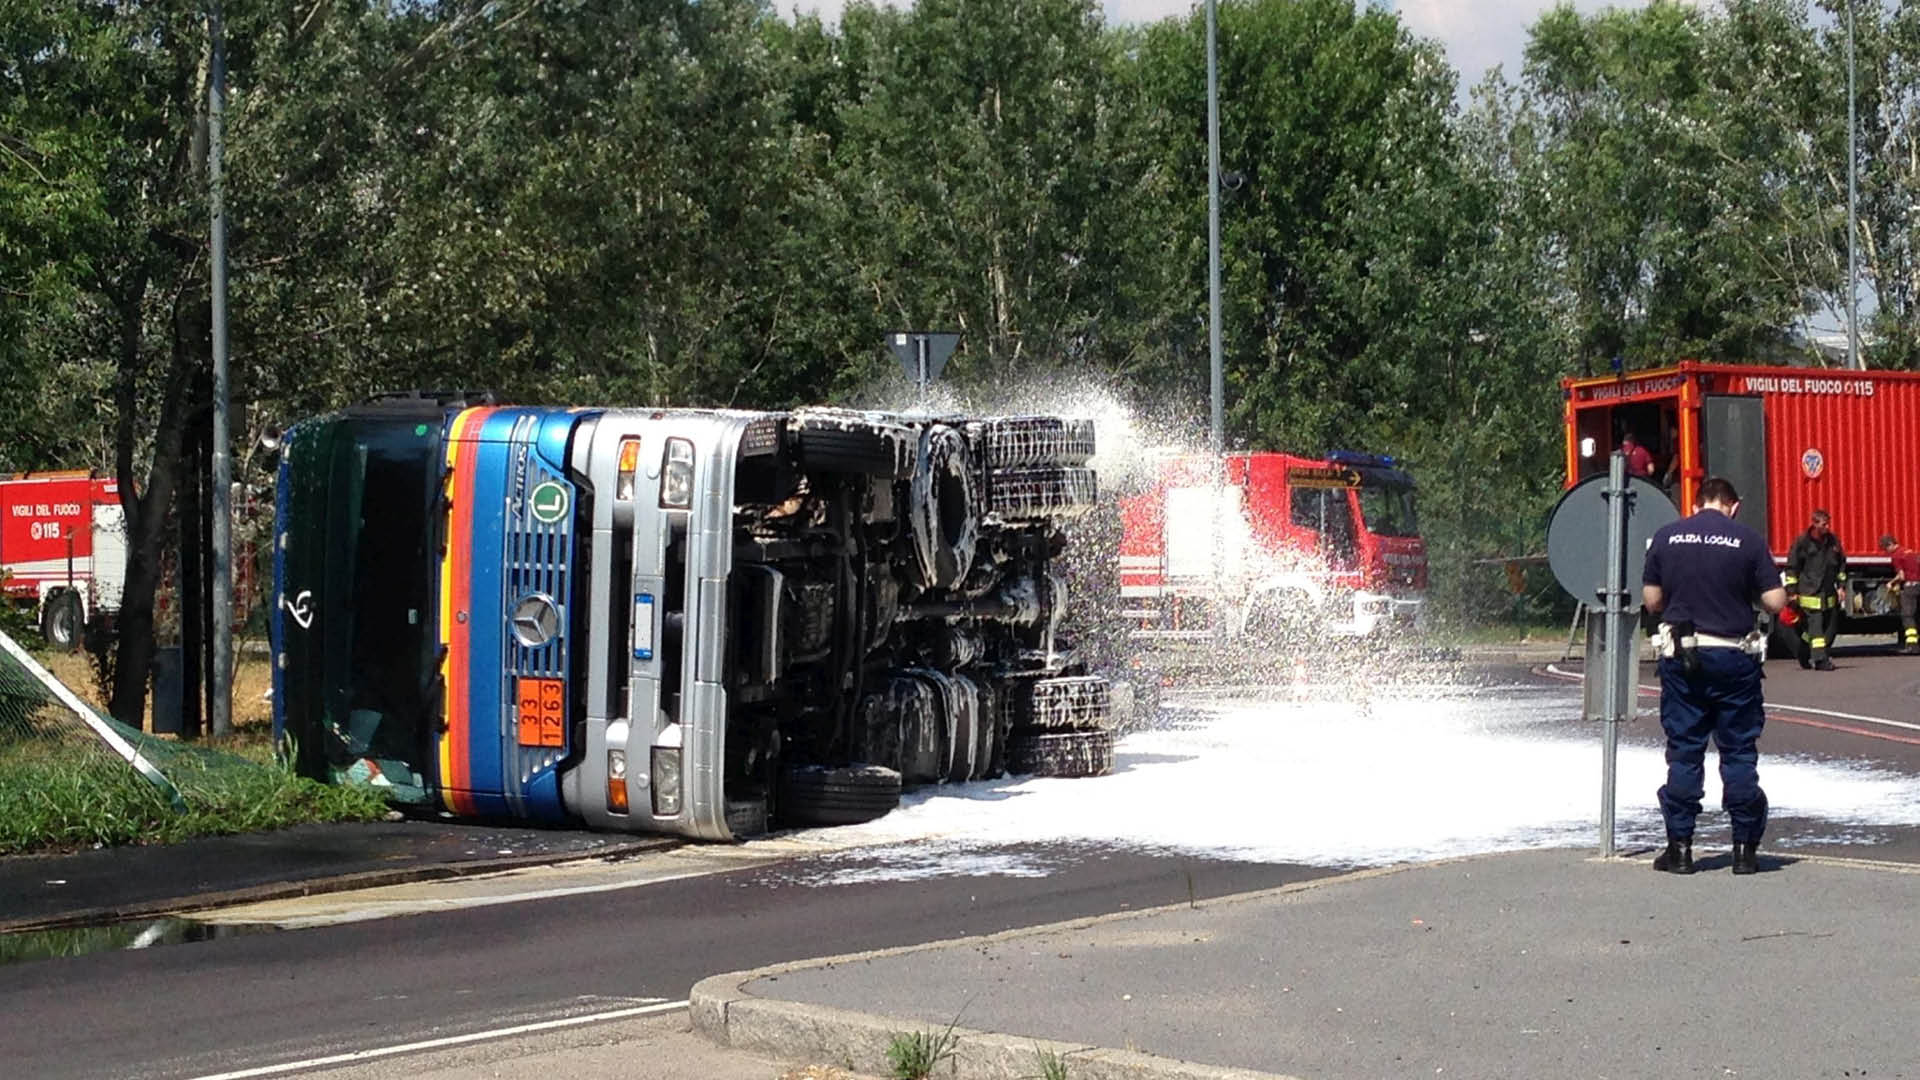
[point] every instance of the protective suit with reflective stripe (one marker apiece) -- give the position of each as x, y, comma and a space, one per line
1817, 572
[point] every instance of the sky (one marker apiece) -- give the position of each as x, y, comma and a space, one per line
1476, 34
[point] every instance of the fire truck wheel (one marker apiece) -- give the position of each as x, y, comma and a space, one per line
1073, 703
62, 621
1035, 494
814, 795
946, 521
1062, 753
1014, 441
847, 445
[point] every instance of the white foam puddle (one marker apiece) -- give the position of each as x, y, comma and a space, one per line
1398, 778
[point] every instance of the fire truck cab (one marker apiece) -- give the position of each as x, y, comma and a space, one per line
62, 548
1292, 544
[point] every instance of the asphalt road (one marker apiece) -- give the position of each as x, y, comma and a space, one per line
255, 999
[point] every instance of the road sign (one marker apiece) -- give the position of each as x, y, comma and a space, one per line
1577, 536
922, 353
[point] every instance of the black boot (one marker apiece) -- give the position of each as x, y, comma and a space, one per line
1677, 859
1746, 858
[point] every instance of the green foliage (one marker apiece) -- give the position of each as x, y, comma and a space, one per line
704, 203
913, 1055
1052, 1065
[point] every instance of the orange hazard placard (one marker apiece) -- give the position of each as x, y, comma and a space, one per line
542, 712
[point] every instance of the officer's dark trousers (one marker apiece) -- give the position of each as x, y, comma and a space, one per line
1721, 700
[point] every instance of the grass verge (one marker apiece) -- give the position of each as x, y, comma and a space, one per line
54, 797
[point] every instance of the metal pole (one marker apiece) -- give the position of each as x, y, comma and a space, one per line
1854, 359
1219, 382
220, 682
1217, 437
1619, 644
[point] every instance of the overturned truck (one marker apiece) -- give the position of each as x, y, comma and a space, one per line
700, 622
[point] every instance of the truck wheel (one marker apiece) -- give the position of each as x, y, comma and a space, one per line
1034, 494
1071, 703
62, 620
812, 795
1062, 753
946, 522
1014, 441
849, 444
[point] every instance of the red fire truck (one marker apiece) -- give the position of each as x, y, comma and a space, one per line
1302, 544
1791, 439
62, 548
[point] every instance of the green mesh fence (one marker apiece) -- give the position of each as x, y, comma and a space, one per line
71, 777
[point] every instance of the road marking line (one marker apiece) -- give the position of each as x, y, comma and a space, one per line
451, 1040
1772, 706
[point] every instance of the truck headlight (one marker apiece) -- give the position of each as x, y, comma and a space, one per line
666, 780
676, 475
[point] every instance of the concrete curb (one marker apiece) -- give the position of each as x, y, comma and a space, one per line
791, 1031
724, 1011
288, 890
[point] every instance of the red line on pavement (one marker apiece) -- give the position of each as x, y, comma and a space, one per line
1774, 712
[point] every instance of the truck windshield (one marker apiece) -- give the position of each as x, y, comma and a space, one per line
357, 574
1387, 509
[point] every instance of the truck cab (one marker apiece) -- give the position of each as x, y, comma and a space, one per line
1292, 544
698, 622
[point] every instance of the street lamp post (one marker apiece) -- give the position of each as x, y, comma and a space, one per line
1854, 359
1218, 431
219, 678
1217, 440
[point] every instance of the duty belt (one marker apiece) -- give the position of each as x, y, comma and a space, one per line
1715, 641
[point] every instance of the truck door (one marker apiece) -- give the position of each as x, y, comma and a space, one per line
1733, 443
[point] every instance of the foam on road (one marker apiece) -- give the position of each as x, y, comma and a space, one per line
1401, 777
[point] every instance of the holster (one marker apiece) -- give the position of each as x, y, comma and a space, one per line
1686, 647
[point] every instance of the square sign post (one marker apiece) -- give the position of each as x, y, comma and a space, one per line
1597, 538
922, 353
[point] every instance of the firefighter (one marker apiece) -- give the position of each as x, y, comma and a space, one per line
1906, 583
1639, 460
1704, 577
1816, 581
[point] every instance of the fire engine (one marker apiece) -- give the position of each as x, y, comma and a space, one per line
62, 548
1792, 440
1326, 545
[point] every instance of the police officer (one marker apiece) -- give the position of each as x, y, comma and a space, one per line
1704, 576
1817, 579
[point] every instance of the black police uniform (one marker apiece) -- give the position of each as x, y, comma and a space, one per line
1816, 569
1712, 570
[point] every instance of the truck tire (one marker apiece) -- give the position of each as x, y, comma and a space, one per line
850, 444
1070, 703
1018, 441
1062, 753
1035, 494
945, 513
62, 621
815, 795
